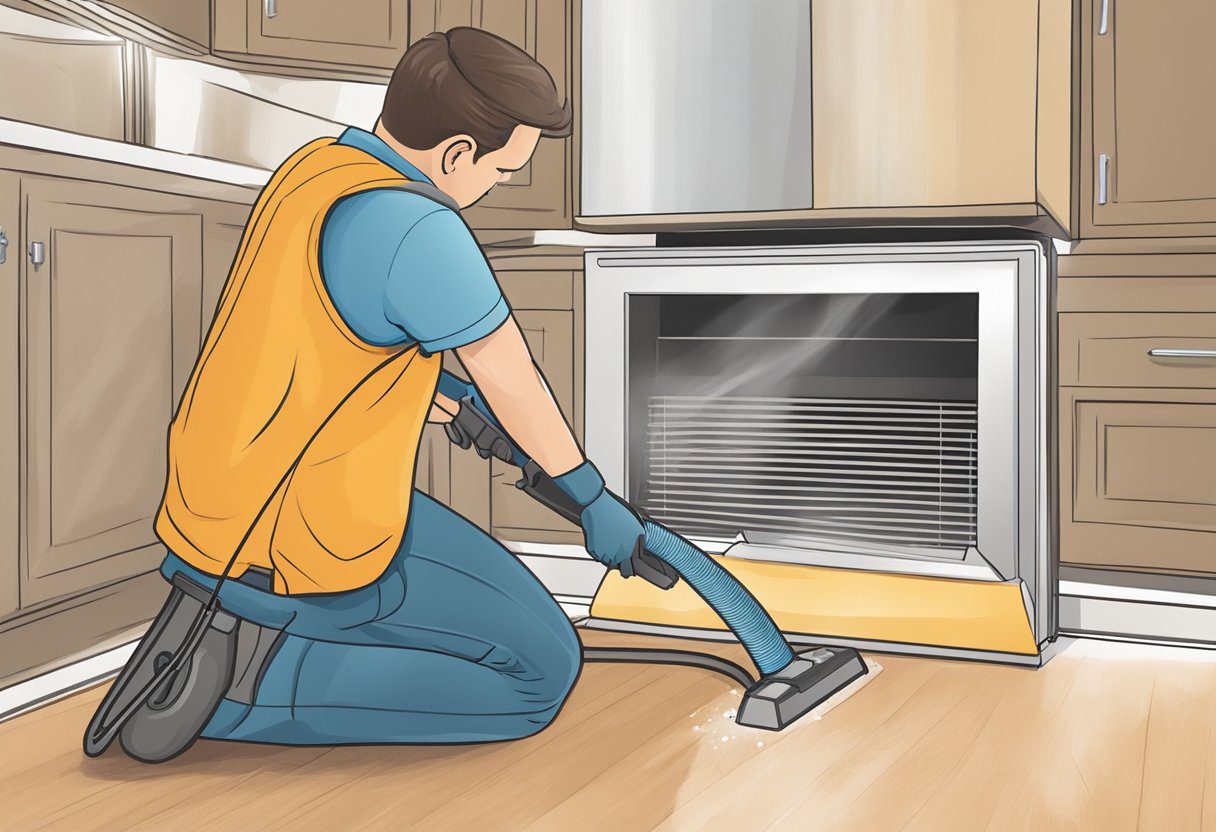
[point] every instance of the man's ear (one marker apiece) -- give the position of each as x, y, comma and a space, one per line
459, 150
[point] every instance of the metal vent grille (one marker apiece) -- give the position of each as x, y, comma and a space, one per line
889, 474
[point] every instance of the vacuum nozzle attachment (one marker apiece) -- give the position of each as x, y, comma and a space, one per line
782, 697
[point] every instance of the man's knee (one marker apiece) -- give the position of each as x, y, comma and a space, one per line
545, 675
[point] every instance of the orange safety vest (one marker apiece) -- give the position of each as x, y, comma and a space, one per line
291, 427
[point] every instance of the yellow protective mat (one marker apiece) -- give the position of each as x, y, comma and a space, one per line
842, 603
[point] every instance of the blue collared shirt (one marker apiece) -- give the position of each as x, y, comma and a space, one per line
402, 268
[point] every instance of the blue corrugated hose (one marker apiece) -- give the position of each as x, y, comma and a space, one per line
728, 598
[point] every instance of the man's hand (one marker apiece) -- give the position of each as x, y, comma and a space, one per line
612, 533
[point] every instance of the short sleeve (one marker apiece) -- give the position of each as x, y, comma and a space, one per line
440, 289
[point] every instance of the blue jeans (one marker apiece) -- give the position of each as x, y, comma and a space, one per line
456, 642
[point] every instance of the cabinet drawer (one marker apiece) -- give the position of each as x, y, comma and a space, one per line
1142, 467
1113, 350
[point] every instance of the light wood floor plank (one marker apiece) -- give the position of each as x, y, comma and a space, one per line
1177, 748
964, 798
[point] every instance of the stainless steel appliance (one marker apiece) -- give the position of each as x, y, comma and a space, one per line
878, 408
691, 107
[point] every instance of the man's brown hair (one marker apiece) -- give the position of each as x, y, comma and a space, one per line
468, 81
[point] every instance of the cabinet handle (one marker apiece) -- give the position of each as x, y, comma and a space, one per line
272, 8
1164, 353
37, 254
3, 246
1101, 22
1103, 173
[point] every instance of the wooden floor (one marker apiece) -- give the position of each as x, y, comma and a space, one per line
1106, 737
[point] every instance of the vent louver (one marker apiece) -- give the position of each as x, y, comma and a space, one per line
884, 473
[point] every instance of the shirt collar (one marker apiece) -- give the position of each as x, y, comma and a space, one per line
376, 146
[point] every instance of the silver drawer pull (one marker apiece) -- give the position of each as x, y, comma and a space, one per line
1164, 353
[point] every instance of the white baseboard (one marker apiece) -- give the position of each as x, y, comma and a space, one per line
567, 571
1134, 614
53, 685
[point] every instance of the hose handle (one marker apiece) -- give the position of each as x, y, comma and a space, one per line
540, 486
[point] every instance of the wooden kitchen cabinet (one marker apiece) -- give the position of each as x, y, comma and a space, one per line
1137, 428
919, 103
1148, 163
538, 196
96, 345
112, 330
353, 36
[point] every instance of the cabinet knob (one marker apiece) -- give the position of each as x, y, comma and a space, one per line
37, 253
272, 8
3, 246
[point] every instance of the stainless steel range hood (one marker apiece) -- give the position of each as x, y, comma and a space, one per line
691, 107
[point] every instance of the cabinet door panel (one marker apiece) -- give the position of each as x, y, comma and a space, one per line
113, 330
10, 414
513, 514
362, 33
923, 102
1143, 490
1153, 73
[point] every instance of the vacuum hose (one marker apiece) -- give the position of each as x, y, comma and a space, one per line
740, 611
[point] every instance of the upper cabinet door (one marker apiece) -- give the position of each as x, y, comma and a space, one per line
112, 293
1153, 160
351, 34
535, 196
923, 102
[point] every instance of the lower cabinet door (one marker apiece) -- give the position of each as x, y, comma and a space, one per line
113, 302
1142, 465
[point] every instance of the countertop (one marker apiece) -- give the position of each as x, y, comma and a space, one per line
36, 137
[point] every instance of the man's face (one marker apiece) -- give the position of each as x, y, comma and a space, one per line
467, 181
